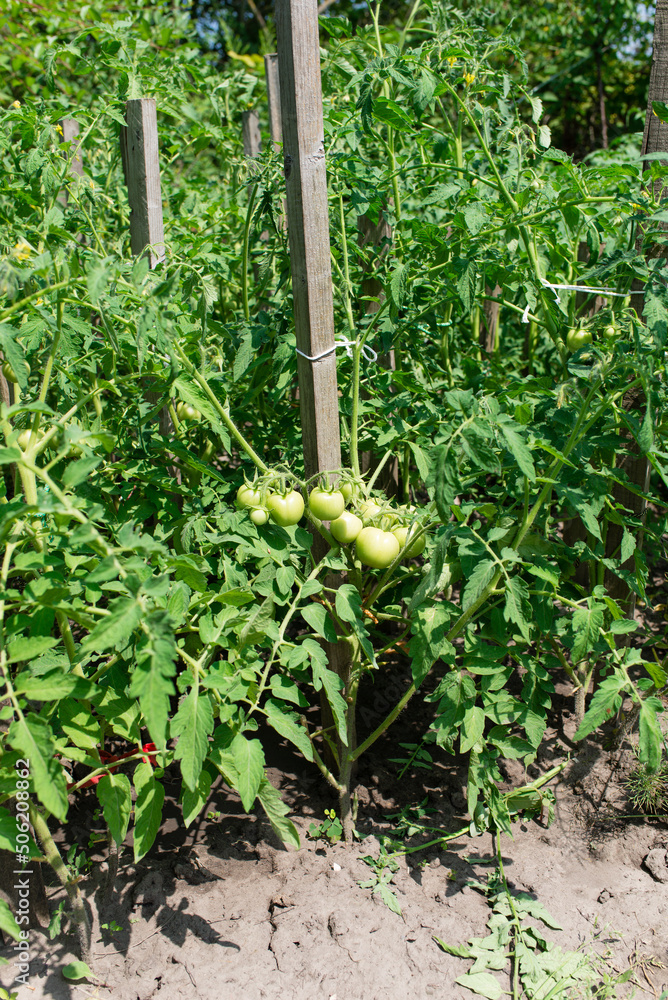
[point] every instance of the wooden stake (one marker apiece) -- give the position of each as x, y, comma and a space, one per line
139, 149
274, 99
308, 230
251, 133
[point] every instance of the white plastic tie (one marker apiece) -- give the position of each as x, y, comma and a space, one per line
525, 314
579, 288
341, 341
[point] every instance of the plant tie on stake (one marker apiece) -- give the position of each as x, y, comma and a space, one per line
570, 288
341, 341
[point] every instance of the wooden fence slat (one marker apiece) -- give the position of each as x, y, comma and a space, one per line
308, 230
139, 147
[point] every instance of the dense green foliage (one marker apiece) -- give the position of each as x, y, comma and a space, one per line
137, 603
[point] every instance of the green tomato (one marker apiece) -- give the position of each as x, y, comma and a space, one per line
347, 490
185, 411
577, 339
369, 509
248, 497
611, 333
9, 372
346, 527
23, 440
286, 508
416, 547
377, 548
259, 515
326, 504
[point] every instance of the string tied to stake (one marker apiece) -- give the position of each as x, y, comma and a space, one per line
341, 341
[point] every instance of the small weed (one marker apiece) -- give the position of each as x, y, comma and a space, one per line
384, 868
647, 789
55, 924
78, 865
539, 969
213, 816
330, 829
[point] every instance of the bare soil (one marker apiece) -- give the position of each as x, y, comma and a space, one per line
223, 910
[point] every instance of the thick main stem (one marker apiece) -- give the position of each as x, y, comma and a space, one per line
53, 857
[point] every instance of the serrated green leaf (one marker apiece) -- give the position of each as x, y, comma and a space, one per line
114, 793
606, 700
148, 809
472, 729
317, 617
287, 724
480, 577
32, 736
329, 682
428, 642
8, 923
194, 801
29, 648
8, 831
482, 984
650, 737
115, 629
587, 625
192, 725
248, 757
277, 811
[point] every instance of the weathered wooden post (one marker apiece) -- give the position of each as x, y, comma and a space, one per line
251, 133
273, 99
275, 119
141, 165
308, 230
308, 234
139, 150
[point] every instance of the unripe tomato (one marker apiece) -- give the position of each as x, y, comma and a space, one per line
347, 490
9, 372
23, 440
377, 548
346, 527
577, 339
369, 509
185, 411
248, 497
537, 184
611, 333
286, 508
416, 547
326, 504
259, 515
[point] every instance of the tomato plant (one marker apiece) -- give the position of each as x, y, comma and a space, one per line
156, 608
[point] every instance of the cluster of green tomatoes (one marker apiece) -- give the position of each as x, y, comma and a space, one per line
380, 532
